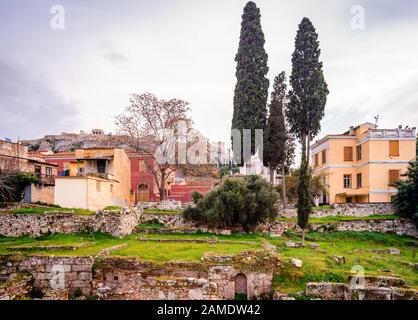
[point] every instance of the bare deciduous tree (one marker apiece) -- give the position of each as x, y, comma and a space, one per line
152, 126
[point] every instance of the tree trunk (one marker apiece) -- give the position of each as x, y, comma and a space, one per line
271, 175
161, 188
308, 151
162, 194
303, 237
284, 188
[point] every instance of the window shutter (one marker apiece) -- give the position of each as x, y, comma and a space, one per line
348, 153
394, 148
324, 156
394, 176
316, 160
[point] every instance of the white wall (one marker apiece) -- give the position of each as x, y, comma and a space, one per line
71, 192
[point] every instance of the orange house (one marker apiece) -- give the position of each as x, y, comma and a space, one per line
361, 164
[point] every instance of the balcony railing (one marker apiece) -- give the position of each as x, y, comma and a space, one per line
45, 179
95, 174
392, 133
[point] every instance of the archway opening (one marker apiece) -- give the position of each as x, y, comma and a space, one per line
240, 287
143, 193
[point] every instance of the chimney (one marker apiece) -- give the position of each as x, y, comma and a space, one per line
351, 131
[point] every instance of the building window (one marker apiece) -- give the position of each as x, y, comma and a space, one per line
142, 167
111, 188
101, 166
37, 171
348, 153
394, 176
316, 160
347, 181
359, 180
324, 156
358, 149
98, 186
48, 172
394, 148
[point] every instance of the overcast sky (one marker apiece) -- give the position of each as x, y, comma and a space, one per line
79, 78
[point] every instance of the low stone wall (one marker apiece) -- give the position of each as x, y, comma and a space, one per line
50, 272
381, 288
347, 209
396, 226
176, 223
172, 221
116, 223
130, 278
392, 226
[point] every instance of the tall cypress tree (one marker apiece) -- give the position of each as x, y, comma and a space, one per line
278, 144
307, 101
251, 90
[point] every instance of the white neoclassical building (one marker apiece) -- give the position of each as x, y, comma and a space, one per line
255, 166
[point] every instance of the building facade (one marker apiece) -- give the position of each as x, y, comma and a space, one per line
101, 179
256, 167
361, 164
16, 158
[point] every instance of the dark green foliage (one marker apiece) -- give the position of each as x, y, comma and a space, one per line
309, 92
316, 184
241, 201
196, 196
278, 143
13, 184
306, 107
406, 200
251, 90
225, 170
304, 195
35, 293
77, 293
241, 296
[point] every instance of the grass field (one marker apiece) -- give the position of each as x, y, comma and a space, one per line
160, 211
369, 250
356, 247
149, 251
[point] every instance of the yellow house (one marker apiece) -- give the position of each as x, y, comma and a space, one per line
99, 178
361, 164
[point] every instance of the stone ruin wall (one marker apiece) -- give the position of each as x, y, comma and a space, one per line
121, 223
374, 288
176, 223
127, 278
346, 209
115, 223
391, 226
44, 271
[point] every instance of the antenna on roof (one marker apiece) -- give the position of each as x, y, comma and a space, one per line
376, 120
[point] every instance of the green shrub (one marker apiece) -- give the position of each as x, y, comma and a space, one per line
77, 293
196, 196
35, 293
406, 200
237, 201
13, 183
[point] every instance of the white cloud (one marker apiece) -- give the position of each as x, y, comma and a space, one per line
186, 49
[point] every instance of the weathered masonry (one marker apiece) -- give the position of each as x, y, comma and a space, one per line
249, 273
116, 223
